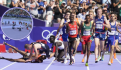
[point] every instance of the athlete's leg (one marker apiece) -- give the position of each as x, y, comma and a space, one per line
77, 43
14, 60
85, 54
74, 47
88, 52
19, 51
116, 44
60, 55
65, 48
70, 54
96, 47
102, 48
111, 54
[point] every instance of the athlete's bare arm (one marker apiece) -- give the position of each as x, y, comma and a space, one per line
80, 30
61, 25
107, 23
117, 28
67, 28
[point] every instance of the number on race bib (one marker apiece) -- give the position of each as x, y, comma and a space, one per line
86, 32
112, 32
99, 26
73, 32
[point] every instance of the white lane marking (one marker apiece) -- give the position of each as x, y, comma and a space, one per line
88, 68
7, 66
49, 64
118, 60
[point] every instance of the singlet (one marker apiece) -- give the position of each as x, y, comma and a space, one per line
73, 30
99, 24
64, 30
113, 30
60, 47
86, 30
42, 45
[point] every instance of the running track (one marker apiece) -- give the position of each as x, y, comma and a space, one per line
49, 64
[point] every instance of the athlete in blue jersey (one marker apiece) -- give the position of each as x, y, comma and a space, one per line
112, 35
64, 34
100, 32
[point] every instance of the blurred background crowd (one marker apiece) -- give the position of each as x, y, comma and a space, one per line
52, 11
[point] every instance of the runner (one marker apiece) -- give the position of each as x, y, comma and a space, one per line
58, 49
86, 36
72, 30
25, 55
64, 34
100, 32
112, 34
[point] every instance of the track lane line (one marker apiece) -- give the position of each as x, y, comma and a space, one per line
7, 66
50, 64
118, 60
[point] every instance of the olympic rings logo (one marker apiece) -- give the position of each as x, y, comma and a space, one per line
48, 36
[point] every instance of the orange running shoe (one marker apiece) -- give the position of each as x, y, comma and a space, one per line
111, 60
82, 60
114, 55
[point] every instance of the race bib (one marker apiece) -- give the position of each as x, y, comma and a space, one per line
72, 32
86, 32
99, 26
112, 32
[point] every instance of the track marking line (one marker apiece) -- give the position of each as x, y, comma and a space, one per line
118, 60
49, 64
7, 66
88, 68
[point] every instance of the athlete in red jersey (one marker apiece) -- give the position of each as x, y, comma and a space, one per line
72, 30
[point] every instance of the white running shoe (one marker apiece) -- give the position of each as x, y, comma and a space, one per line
73, 59
68, 57
109, 63
99, 58
65, 61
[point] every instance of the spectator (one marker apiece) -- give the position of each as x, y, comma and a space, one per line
41, 9
4, 2
57, 13
119, 6
32, 8
1, 2
8, 3
20, 4
115, 6
49, 15
44, 14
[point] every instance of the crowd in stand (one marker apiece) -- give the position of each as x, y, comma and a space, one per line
18, 13
52, 11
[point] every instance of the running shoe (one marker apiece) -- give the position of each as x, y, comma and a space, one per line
73, 59
1, 57
102, 59
114, 55
111, 60
96, 60
82, 60
65, 61
68, 57
86, 64
99, 58
4, 43
109, 63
